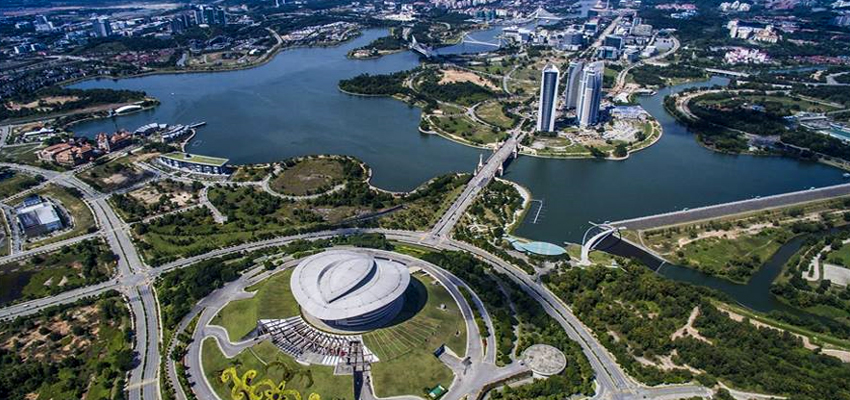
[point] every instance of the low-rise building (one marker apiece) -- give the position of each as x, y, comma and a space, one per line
117, 140
196, 163
37, 216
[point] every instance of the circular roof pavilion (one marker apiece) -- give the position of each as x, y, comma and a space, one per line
544, 360
349, 290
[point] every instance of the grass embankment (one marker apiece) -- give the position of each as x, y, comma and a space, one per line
81, 216
271, 363
463, 129
406, 349
272, 299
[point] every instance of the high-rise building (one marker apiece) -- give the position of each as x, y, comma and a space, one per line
615, 41
573, 79
210, 15
548, 99
101, 27
590, 95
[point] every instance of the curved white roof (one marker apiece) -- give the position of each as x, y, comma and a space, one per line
340, 284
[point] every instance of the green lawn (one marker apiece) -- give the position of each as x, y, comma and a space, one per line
466, 129
406, 349
840, 256
273, 299
258, 358
79, 211
733, 258
492, 113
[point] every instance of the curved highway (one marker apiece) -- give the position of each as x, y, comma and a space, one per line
135, 280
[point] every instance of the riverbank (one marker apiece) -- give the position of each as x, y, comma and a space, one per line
268, 57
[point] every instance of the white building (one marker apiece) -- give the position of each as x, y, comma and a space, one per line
349, 290
590, 95
573, 80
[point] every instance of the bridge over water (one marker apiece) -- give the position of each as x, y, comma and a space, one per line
486, 171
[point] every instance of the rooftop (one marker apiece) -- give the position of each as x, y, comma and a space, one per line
544, 359
340, 284
196, 159
38, 214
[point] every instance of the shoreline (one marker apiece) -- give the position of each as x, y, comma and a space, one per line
268, 57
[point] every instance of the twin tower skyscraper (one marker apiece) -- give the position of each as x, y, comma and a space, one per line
583, 92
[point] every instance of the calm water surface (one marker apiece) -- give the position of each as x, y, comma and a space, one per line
291, 106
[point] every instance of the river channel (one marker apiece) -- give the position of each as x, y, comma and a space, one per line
291, 106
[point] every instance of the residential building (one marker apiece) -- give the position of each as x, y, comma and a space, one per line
590, 95
118, 140
573, 80
548, 99
69, 154
101, 27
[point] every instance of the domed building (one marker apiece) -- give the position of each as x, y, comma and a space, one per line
348, 290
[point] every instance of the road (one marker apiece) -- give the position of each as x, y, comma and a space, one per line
135, 280
480, 180
143, 382
830, 79
589, 52
620, 83
735, 207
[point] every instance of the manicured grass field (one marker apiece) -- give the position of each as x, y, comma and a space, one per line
406, 349
273, 299
76, 207
271, 363
308, 176
491, 112
467, 129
